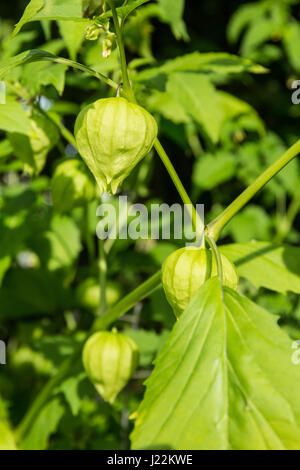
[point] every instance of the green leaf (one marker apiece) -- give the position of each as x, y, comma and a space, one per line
39, 74
253, 223
69, 388
50, 10
73, 36
214, 377
58, 247
209, 62
260, 31
167, 105
172, 13
199, 98
122, 12
31, 10
33, 148
275, 267
35, 55
13, 118
213, 169
45, 424
291, 41
244, 15
149, 343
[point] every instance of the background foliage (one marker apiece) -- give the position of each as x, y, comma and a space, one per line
223, 119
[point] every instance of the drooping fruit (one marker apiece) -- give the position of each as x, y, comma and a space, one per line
112, 136
110, 358
185, 270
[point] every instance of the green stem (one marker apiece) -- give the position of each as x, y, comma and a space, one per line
215, 227
127, 302
217, 256
196, 220
83, 68
104, 322
126, 83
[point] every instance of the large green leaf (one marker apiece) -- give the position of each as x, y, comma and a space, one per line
275, 267
223, 380
208, 62
199, 98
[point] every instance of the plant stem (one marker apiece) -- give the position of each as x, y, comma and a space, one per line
127, 302
215, 227
217, 256
126, 83
196, 220
104, 322
83, 68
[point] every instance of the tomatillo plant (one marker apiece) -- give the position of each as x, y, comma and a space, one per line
225, 372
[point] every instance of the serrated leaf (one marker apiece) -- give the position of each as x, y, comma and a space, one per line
223, 380
275, 267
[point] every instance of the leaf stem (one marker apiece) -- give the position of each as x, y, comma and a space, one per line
196, 220
217, 256
215, 227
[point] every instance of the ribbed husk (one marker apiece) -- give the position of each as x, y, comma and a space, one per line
110, 358
185, 270
112, 136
